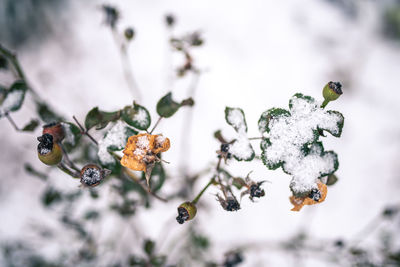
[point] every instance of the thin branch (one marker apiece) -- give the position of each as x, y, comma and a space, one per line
155, 125
84, 131
12, 122
67, 159
65, 169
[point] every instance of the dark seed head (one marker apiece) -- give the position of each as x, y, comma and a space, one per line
112, 15
170, 20
91, 175
183, 215
336, 87
232, 205
225, 148
129, 33
256, 190
232, 259
315, 194
45, 144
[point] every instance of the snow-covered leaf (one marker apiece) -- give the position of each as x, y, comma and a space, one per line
241, 148
13, 98
267, 116
72, 135
136, 116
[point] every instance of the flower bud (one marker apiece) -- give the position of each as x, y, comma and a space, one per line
49, 152
56, 130
92, 174
186, 212
331, 92
129, 33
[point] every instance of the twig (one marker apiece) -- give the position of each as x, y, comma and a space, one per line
65, 169
83, 131
68, 161
136, 179
155, 125
9, 118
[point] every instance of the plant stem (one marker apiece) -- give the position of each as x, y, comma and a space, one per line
9, 118
324, 103
196, 199
255, 138
67, 159
65, 169
155, 125
83, 131
136, 179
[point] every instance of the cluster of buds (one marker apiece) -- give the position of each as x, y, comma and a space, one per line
223, 152
253, 188
49, 149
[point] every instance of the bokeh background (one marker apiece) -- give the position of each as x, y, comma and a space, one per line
256, 55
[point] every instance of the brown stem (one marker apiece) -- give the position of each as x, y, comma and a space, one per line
67, 159
65, 169
83, 131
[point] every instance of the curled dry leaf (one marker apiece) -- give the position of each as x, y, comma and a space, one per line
318, 197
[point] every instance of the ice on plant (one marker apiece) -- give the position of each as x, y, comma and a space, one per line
115, 137
241, 149
141, 117
142, 146
12, 100
291, 141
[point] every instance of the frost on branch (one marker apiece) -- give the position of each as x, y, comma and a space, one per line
241, 148
291, 142
114, 140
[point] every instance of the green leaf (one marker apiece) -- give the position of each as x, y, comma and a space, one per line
50, 196
332, 179
31, 170
267, 116
136, 116
13, 98
31, 126
100, 119
166, 106
46, 114
148, 247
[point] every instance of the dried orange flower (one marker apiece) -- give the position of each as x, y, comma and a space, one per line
140, 153
315, 197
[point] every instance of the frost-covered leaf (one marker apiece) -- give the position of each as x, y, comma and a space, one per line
72, 135
292, 144
241, 148
31, 126
115, 139
136, 116
13, 98
166, 106
267, 116
100, 119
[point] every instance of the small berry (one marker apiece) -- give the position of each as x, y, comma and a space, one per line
49, 152
56, 130
186, 212
315, 194
129, 33
92, 174
331, 92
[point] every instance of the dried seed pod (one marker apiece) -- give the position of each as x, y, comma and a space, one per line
49, 152
56, 130
129, 33
92, 174
186, 212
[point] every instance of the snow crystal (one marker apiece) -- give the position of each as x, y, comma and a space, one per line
141, 117
160, 139
288, 136
142, 146
12, 100
236, 119
115, 137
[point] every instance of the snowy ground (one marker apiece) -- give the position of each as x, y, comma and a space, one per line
257, 55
